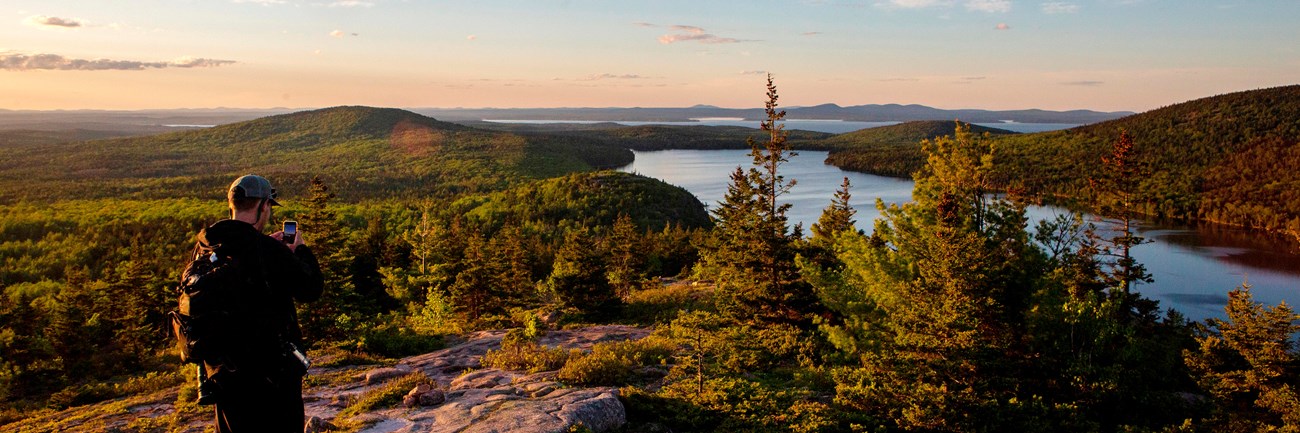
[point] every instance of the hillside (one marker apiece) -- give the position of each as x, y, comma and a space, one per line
1232, 159
893, 150
359, 150
588, 199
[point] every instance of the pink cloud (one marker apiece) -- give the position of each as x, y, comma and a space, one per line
23, 62
46, 21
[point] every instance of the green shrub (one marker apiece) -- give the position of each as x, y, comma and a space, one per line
735, 404
78, 395
597, 368
614, 363
388, 395
661, 303
519, 353
396, 342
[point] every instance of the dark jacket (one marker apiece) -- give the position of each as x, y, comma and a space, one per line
264, 317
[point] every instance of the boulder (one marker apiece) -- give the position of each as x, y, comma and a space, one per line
423, 395
381, 374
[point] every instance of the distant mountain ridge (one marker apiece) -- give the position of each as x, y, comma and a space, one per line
147, 121
861, 113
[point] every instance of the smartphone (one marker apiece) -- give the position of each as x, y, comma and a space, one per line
290, 231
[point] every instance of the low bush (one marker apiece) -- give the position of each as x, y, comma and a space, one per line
388, 395
731, 404
395, 342
615, 363
78, 395
657, 303
519, 353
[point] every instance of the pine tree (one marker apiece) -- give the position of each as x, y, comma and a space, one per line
1250, 367
578, 279
511, 268
626, 257
134, 316
327, 239
363, 270
1117, 188
471, 289
932, 304
836, 218
752, 254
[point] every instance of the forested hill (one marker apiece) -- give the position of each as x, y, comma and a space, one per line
1231, 159
366, 151
893, 150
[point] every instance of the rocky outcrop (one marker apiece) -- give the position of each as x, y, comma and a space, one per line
474, 399
464, 397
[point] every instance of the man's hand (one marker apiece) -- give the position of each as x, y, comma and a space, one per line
297, 240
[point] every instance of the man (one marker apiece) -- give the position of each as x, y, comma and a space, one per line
258, 383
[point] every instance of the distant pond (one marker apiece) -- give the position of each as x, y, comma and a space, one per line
1193, 267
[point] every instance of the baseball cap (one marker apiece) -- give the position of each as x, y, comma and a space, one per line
253, 186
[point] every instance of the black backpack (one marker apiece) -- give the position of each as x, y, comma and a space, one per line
208, 296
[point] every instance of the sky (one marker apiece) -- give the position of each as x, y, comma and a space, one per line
1108, 55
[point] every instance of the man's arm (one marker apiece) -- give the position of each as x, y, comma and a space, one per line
296, 271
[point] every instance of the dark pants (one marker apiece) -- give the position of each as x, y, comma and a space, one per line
261, 406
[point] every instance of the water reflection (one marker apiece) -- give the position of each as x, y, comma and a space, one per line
1193, 267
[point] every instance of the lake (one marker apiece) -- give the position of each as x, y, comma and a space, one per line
1193, 267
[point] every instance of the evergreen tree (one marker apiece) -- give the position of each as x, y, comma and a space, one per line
578, 279
511, 268
932, 305
134, 315
340, 302
1250, 367
835, 219
1116, 188
370, 251
471, 291
626, 255
752, 254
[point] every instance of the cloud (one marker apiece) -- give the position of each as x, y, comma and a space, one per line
351, 4
613, 77
261, 2
643, 24
1083, 83
47, 21
197, 62
703, 38
694, 33
471, 37
340, 33
753, 73
895, 79
811, 33
1060, 8
24, 62
989, 5
971, 5
1002, 26
973, 78
913, 4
